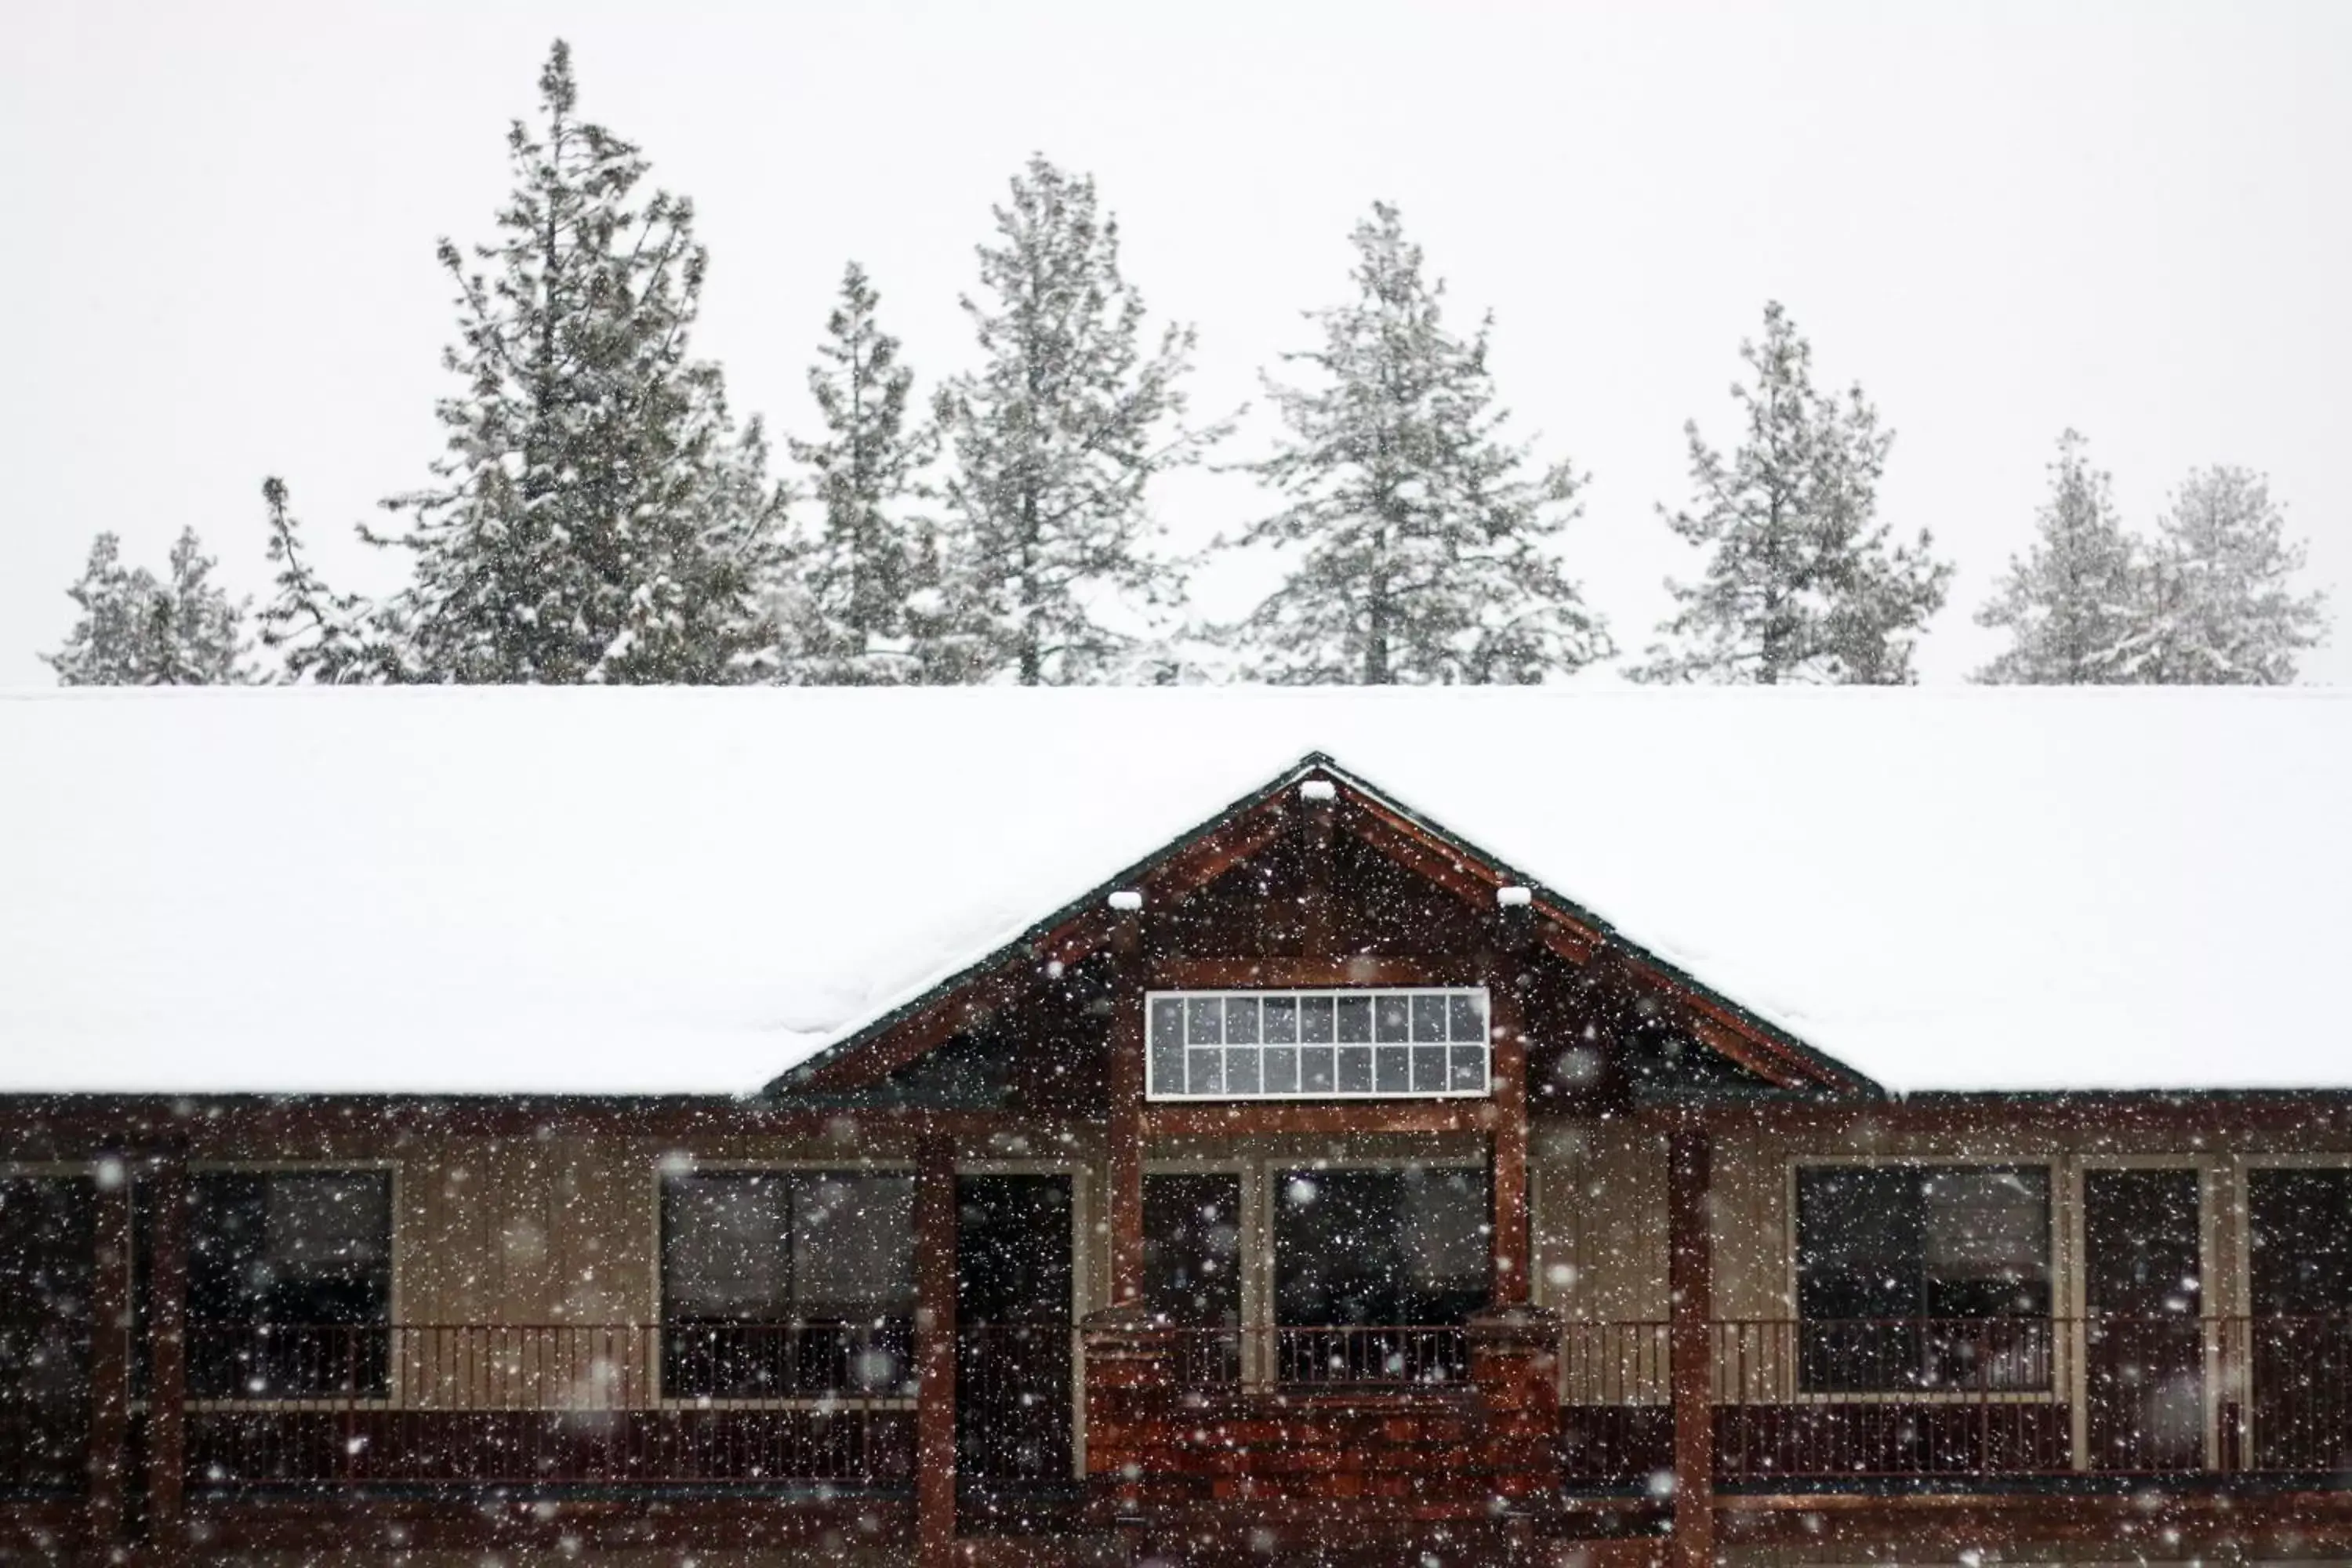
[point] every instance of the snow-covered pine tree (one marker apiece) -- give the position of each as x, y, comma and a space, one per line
1056, 438
2217, 603
139, 630
598, 517
1428, 554
321, 637
1802, 581
2068, 602
869, 583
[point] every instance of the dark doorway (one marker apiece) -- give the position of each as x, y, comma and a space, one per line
49, 1249
2144, 1342
1014, 1274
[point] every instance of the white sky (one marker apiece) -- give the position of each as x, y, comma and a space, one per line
2003, 219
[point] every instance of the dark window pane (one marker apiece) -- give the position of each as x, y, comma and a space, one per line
1355, 1070
1167, 1021
1205, 1071
1469, 1069
1204, 1019
1392, 1021
1315, 1020
852, 1245
1166, 1067
1281, 1020
1282, 1069
2300, 1241
1393, 1069
1355, 1019
1467, 1018
1378, 1247
1429, 1019
726, 1247
1429, 1070
1315, 1075
1241, 1020
1241, 1069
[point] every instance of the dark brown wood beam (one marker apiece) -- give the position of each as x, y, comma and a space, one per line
1690, 1350
1274, 973
1125, 1135
1508, 1035
109, 1356
1237, 1118
167, 1350
935, 1329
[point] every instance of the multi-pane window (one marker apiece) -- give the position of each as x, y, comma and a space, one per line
781, 1283
1316, 1045
289, 1283
1911, 1276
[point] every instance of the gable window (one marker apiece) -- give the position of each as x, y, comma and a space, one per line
290, 1284
785, 1283
1316, 1045
1922, 1276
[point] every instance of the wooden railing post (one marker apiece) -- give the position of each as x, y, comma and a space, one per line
1690, 1280
110, 1355
935, 1339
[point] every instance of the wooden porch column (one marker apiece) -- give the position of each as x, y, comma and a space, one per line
1690, 1280
1507, 1025
1124, 1199
110, 1354
935, 1339
167, 1350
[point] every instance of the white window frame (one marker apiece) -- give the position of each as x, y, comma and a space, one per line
1153, 1091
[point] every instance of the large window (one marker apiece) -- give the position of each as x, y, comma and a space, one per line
781, 1283
289, 1283
1375, 1270
1316, 1045
1923, 1276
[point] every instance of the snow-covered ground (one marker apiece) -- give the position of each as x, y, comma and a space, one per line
586, 891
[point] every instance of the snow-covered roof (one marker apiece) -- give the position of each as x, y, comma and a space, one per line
577, 892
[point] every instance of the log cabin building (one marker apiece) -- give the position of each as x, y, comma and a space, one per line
1319, 1187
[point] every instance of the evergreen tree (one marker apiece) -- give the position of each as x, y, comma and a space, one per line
869, 582
1802, 581
138, 630
2217, 605
598, 516
1427, 553
1056, 438
320, 636
2068, 604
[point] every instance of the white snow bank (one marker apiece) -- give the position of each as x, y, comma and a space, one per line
630, 892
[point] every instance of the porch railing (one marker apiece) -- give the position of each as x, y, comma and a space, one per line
1951, 1398
742, 1404
1340, 1358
